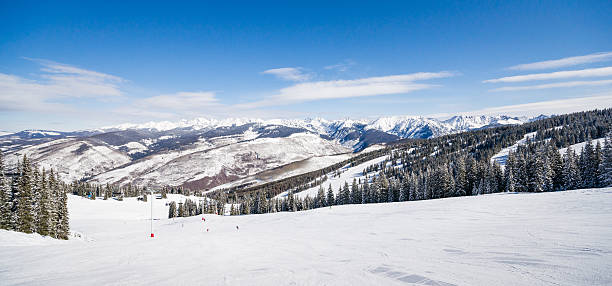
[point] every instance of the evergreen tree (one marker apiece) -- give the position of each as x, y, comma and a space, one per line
571, 171
355, 194
53, 203
321, 200
63, 230
6, 200
461, 182
588, 166
442, 186
404, 190
330, 196
25, 205
605, 168
556, 166
42, 223
365, 192
172, 211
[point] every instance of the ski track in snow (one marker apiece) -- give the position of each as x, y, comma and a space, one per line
502, 156
561, 238
578, 147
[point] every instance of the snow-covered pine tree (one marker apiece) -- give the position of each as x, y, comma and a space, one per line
536, 173
42, 218
510, 181
587, 165
445, 184
346, 194
605, 168
291, 202
172, 212
597, 162
355, 194
52, 210
36, 186
521, 177
498, 175
331, 200
6, 200
63, 227
320, 199
461, 183
181, 209
471, 175
404, 194
414, 188
365, 192
571, 171
25, 207
390, 192
556, 166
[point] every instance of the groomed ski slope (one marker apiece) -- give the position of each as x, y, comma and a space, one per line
561, 238
347, 174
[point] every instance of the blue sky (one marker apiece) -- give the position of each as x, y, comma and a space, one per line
75, 65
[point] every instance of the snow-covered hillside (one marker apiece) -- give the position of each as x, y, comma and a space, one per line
72, 159
203, 153
220, 163
560, 238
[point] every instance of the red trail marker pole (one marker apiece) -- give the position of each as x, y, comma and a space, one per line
152, 198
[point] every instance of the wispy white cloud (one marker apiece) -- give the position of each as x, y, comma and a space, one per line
594, 72
308, 91
559, 106
291, 74
57, 82
554, 85
341, 67
565, 62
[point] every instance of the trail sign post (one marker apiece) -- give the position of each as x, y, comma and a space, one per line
152, 235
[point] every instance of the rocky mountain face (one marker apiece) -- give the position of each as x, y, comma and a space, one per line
203, 153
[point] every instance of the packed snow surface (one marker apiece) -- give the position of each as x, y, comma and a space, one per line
561, 238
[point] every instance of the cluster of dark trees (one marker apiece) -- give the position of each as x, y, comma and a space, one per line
456, 165
33, 201
93, 191
192, 208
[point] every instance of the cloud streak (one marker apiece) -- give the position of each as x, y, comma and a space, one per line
290, 74
57, 82
594, 72
341, 67
319, 90
554, 85
565, 62
559, 106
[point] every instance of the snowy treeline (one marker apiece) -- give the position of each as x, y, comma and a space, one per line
106, 191
33, 201
533, 168
191, 208
459, 165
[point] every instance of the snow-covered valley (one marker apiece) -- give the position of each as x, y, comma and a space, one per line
558, 238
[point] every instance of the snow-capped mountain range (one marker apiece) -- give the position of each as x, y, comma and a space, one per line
203, 153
